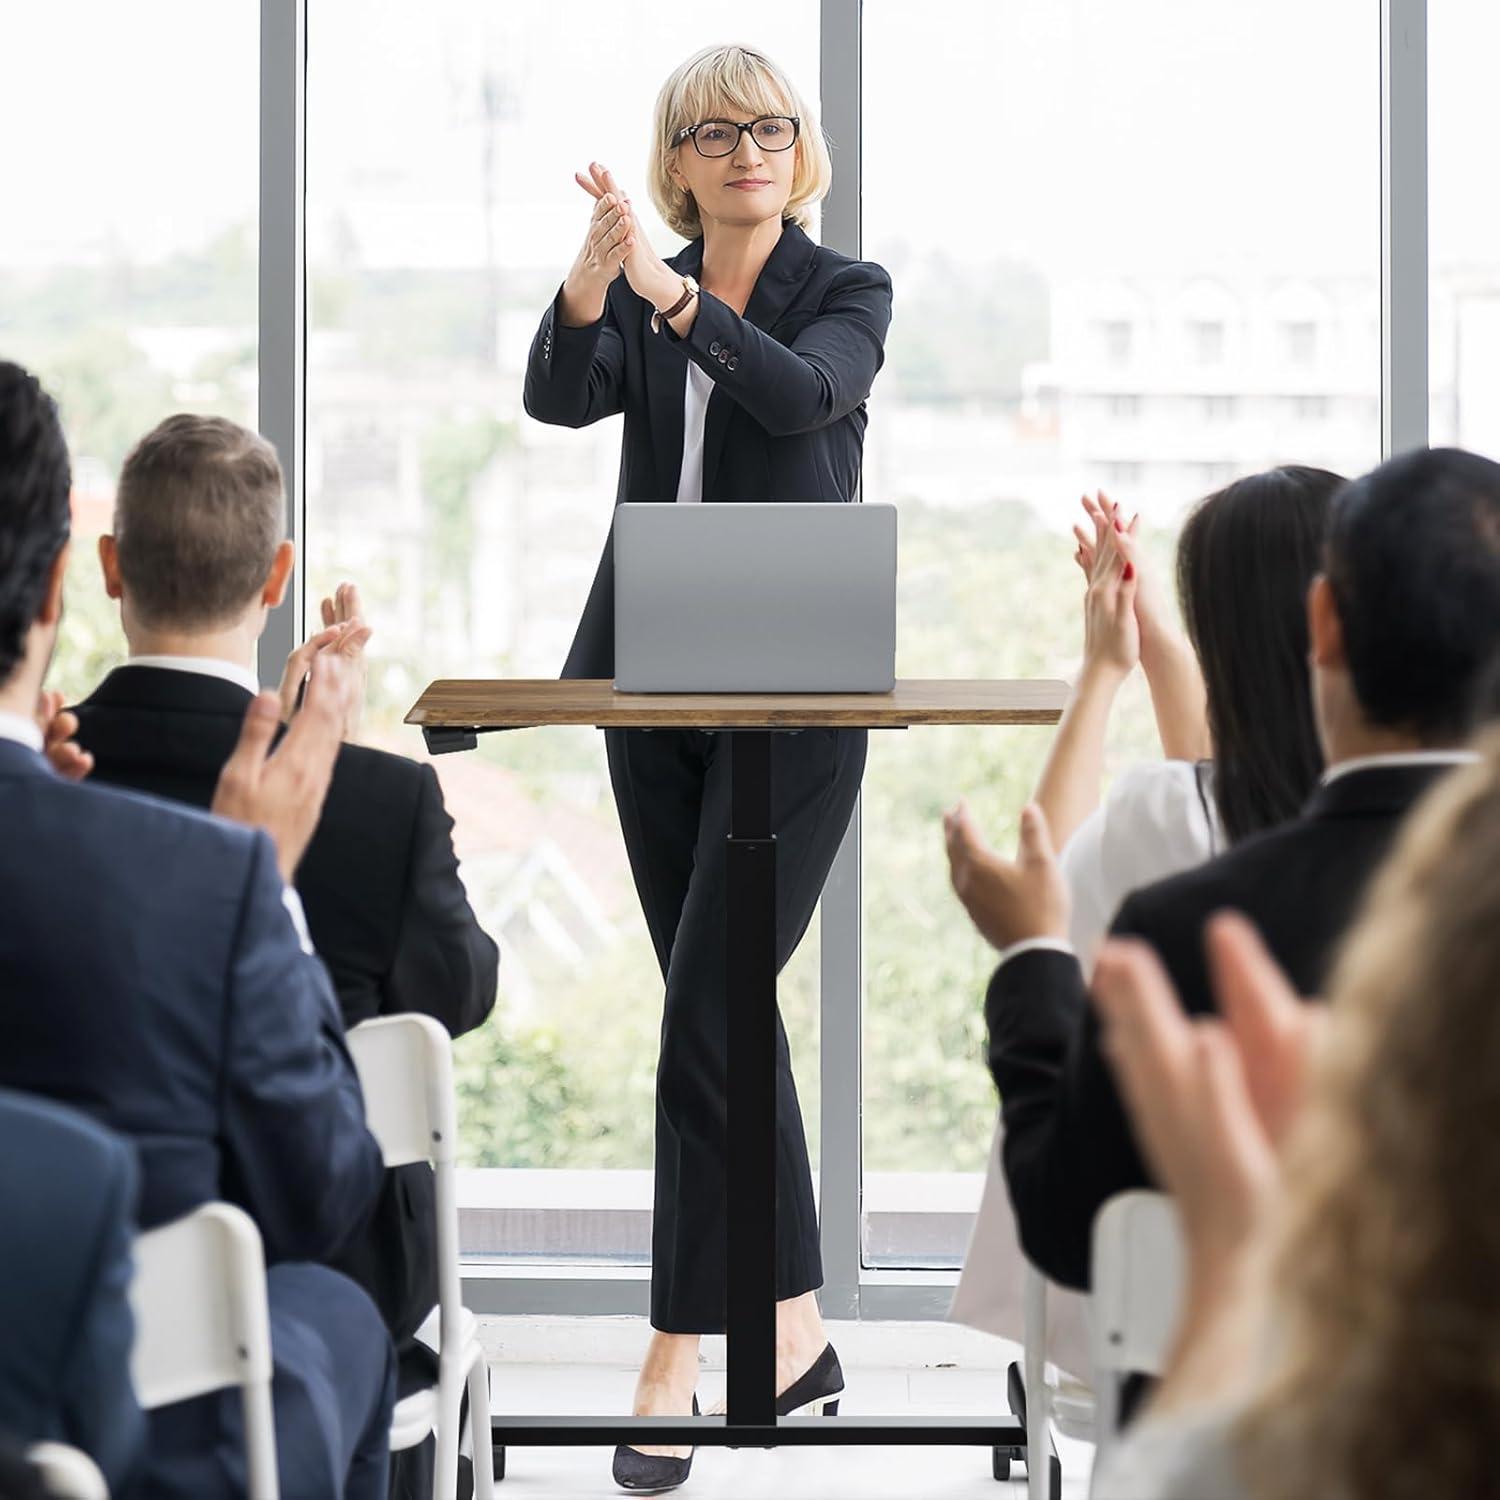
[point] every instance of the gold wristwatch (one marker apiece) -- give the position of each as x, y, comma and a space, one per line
689, 291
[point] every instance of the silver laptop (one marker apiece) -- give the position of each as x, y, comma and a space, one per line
762, 598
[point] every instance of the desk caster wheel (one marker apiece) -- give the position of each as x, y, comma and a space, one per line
1001, 1461
499, 1461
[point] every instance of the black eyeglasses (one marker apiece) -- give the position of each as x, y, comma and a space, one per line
722, 137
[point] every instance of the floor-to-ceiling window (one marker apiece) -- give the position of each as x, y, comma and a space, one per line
442, 215
1464, 225
1134, 246
127, 244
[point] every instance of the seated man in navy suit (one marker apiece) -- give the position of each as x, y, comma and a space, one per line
153, 977
197, 559
69, 1190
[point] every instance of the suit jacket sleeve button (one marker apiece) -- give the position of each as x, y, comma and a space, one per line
713, 348
734, 362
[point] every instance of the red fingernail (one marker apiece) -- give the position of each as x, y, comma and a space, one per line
1129, 571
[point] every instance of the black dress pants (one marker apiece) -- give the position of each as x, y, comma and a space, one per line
673, 792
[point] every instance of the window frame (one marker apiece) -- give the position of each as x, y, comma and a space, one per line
851, 1289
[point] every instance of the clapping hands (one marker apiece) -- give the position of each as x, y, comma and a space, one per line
611, 233
344, 634
1107, 534
1007, 900
1111, 628
282, 792
614, 242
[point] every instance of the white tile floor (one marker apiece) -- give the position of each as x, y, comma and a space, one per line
875, 1385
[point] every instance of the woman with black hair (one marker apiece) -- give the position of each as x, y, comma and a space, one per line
1234, 714
1231, 697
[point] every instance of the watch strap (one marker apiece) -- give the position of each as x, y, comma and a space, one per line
689, 291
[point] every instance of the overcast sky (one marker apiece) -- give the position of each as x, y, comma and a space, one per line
1172, 134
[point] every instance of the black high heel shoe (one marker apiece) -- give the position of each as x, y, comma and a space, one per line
651, 1473
817, 1391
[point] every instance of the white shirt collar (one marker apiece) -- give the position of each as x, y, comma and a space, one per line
206, 666
1399, 758
22, 730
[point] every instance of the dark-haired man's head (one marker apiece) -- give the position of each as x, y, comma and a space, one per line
198, 555
1245, 559
1405, 621
35, 485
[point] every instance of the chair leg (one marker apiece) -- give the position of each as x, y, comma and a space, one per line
1106, 1415
1037, 1399
445, 1437
260, 1442
479, 1428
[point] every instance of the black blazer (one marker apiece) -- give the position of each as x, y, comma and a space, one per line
379, 883
786, 420
1067, 1145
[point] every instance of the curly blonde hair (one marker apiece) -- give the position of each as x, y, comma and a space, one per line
1385, 1381
732, 78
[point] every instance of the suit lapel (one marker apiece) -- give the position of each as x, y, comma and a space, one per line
779, 280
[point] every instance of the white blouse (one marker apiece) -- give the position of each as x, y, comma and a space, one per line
1157, 820
1154, 822
695, 396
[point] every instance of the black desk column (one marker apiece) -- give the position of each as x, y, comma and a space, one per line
751, 1101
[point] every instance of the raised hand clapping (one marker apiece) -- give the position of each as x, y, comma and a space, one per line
608, 240
617, 245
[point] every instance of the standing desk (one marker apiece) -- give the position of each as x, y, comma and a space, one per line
452, 714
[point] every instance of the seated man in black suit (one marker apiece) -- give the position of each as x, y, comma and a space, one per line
151, 975
1404, 622
69, 1190
197, 558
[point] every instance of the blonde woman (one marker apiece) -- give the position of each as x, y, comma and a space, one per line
741, 366
1343, 1233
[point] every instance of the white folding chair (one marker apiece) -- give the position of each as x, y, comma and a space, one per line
68, 1473
1049, 1397
1041, 1483
199, 1298
405, 1068
1136, 1276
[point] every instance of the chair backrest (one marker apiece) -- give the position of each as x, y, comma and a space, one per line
1136, 1277
1137, 1282
68, 1473
405, 1066
202, 1323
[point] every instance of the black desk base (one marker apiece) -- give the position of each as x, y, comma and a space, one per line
751, 1420
1005, 1437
